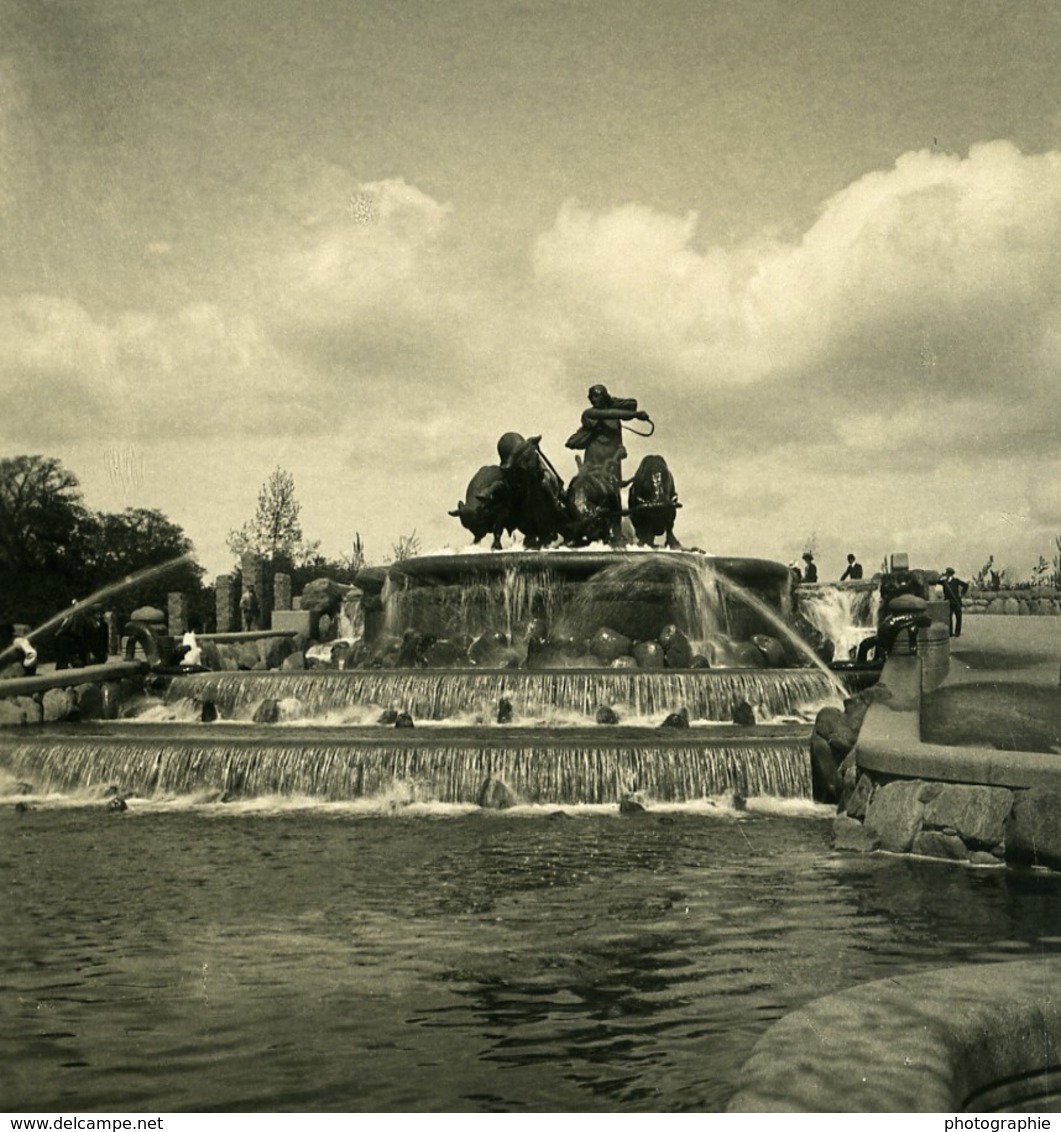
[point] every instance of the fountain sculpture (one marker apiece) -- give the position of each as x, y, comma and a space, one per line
577, 669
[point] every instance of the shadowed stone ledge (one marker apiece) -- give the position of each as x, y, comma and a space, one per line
935, 1042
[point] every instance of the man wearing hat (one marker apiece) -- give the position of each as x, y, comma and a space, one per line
954, 589
810, 571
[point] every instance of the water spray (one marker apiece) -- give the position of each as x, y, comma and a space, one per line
136, 578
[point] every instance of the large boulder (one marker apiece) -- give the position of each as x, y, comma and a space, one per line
60, 704
677, 650
19, 710
608, 645
322, 595
895, 814
274, 650
977, 814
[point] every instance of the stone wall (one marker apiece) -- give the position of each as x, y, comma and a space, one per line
955, 821
1037, 602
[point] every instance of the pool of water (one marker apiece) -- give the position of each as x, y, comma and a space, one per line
276, 957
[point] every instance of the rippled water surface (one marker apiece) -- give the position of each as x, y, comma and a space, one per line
216, 958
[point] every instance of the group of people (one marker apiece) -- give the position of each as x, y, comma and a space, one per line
954, 588
809, 572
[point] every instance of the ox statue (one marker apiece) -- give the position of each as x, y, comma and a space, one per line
594, 512
653, 502
487, 507
535, 491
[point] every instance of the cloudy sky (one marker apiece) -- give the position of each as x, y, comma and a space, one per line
360, 239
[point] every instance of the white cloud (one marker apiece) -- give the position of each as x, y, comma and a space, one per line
915, 326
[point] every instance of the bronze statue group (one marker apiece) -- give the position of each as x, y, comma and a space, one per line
524, 492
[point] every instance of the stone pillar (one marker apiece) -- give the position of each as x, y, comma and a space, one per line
114, 633
178, 605
225, 596
282, 591
256, 575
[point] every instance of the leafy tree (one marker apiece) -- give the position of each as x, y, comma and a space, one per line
53, 550
132, 541
275, 531
42, 528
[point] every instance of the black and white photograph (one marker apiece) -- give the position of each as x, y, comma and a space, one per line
530, 560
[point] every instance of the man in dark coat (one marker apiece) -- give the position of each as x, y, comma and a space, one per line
954, 589
854, 570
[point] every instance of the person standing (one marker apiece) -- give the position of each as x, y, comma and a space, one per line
810, 570
249, 609
954, 589
853, 573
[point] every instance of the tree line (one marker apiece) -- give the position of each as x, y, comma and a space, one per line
55, 550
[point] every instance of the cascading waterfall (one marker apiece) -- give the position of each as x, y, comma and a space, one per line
328, 741
442, 695
536, 768
845, 615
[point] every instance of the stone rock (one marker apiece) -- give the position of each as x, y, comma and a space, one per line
678, 719
824, 765
771, 648
1010, 606
295, 662
649, 654
89, 699
847, 774
247, 655
855, 710
895, 814
16, 711
677, 651
826, 720
495, 795
404, 720
853, 835
977, 813
607, 645
504, 711
1033, 830
607, 715
743, 714
322, 595
746, 655
624, 662
268, 711
934, 843
388, 717
274, 650
842, 739
211, 656
208, 712
907, 603
859, 801
59, 704
631, 809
